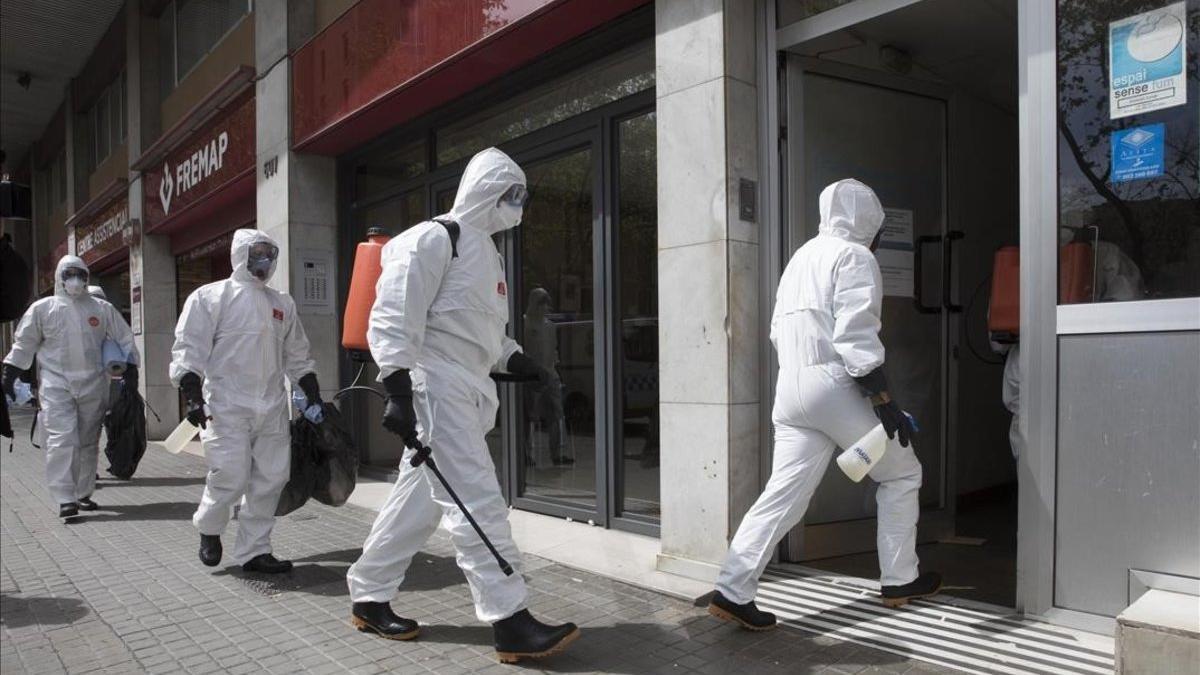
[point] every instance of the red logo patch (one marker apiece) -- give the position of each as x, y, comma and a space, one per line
93, 321
277, 313
502, 288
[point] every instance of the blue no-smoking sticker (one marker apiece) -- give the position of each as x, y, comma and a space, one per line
1137, 153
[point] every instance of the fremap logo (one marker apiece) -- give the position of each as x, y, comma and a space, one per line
166, 189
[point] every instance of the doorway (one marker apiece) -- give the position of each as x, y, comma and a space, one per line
920, 103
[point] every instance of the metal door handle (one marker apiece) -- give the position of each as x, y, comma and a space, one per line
918, 277
951, 237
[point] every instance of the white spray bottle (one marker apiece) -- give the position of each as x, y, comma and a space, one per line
182, 435
862, 455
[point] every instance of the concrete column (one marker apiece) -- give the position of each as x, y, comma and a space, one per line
708, 278
296, 192
151, 265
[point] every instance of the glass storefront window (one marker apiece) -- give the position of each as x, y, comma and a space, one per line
1129, 143
381, 173
558, 331
615, 77
637, 256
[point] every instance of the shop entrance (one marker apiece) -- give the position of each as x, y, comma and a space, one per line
920, 103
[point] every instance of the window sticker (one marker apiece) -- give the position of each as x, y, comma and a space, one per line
1146, 55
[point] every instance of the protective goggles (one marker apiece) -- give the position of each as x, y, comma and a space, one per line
263, 251
74, 273
516, 195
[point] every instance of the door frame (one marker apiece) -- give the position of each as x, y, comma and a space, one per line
514, 433
832, 539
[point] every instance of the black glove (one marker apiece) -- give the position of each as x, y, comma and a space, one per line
11, 375
130, 376
312, 390
874, 385
193, 393
520, 364
399, 416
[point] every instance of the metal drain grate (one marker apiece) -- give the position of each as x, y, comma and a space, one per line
970, 639
300, 578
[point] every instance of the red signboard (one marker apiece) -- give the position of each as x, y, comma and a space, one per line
106, 234
352, 81
214, 157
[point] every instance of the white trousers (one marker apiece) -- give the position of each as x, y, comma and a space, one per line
249, 457
453, 419
818, 409
72, 440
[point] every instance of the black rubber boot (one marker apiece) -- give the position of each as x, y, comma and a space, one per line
86, 504
378, 618
265, 563
68, 510
748, 616
210, 549
923, 586
521, 636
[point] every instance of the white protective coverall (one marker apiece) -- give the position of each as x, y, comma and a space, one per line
825, 329
66, 333
443, 318
242, 337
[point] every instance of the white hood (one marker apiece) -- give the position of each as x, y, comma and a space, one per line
850, 211
66, 262
239, 253
487, 176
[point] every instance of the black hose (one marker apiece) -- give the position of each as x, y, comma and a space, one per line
347, 390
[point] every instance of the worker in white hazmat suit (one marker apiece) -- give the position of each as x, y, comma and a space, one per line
235, 342
66, 332
825, 329
436, 331
1118, 279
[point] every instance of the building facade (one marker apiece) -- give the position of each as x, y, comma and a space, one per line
675, 150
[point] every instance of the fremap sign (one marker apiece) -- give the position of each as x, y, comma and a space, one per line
217, 154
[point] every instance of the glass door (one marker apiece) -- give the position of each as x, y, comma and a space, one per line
557, 460
894, 140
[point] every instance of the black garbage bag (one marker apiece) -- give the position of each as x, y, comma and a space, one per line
303, 470
125, 427
324, 462
337, 472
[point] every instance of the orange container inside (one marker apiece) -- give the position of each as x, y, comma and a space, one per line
1004, 310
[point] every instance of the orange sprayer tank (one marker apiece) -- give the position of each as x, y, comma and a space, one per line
1004, 310
362, 290
1075, 273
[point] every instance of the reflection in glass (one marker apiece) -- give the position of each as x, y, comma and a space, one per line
617, 76
791, 11
558, 442
1126, 231
381, 172
637, 253
394, 215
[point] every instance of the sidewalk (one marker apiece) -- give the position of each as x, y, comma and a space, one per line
121, 591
